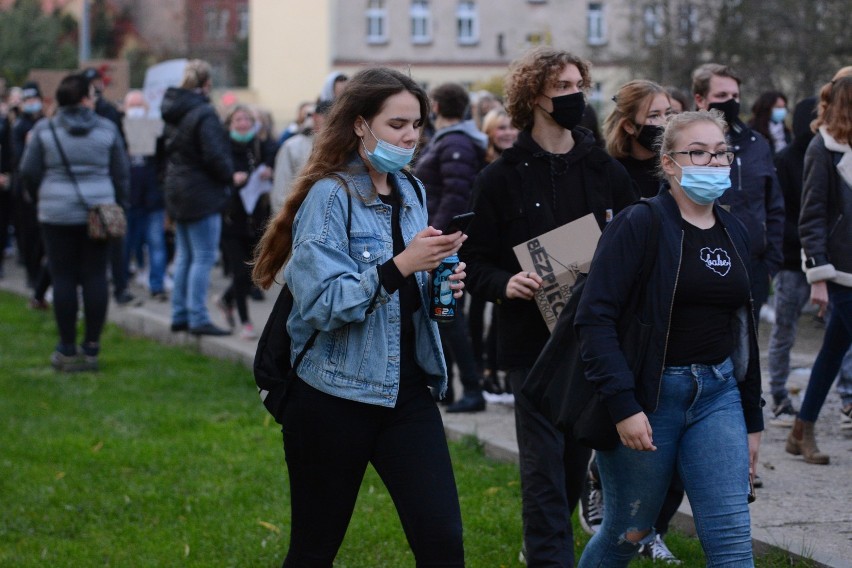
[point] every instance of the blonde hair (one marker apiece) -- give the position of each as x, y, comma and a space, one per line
629, 100
678, 123
490, 122
196, 74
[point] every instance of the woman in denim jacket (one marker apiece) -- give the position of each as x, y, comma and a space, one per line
357, 250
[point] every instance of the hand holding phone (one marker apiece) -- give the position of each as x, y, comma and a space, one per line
459, 223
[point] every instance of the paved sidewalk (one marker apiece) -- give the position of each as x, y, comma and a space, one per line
804, 509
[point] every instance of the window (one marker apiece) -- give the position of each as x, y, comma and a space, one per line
216, 22
421, 22
377, 22
687, 24
243, 22
654, 18
596, 31
467, 23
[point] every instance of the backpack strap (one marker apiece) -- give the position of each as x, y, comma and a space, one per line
413, 181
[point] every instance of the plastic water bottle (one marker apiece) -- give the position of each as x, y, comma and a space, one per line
442, 304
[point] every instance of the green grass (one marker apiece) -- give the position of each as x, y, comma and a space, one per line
167, 458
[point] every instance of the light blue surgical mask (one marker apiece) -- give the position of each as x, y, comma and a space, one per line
387, 158
779, 114
32, 108
242, 137
705, 184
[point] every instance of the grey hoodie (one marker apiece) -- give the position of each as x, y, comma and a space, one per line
95, 152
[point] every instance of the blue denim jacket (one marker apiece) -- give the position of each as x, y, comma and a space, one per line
334, 278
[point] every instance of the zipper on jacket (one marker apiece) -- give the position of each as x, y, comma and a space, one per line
739, 174
669, 323
834, 228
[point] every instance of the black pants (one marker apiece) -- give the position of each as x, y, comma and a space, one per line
76, 260
457, 350
553, 469
328, 442
5, 221
238, 252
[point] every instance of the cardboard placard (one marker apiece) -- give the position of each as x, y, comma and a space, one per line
558, 257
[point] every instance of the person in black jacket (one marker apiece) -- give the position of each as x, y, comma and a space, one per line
755, 198
825, 227
199, 172
246, 215
448, 167
694, 405
554, 174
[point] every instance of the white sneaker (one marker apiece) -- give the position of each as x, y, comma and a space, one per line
658, 551
248, 332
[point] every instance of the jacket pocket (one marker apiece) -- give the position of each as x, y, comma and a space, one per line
366, 249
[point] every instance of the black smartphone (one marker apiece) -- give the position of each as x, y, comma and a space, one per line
752, 496
459, 223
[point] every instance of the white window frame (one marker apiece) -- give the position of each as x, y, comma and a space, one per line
421, 22
596, 31
243, 19
654, 26
216, 22
377, 22
467, 23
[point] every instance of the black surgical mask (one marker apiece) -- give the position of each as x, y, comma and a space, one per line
568, 110
649, 136
730, 108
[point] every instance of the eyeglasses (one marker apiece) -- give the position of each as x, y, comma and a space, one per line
703, 157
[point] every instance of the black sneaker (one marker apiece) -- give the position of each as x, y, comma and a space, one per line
591, 505
209, 329
125, 298
468, 403
783, 414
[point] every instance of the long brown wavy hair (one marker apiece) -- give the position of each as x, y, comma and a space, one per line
364, 96
835, 102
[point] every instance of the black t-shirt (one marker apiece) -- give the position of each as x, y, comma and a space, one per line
712, 284
409, 298
644, 175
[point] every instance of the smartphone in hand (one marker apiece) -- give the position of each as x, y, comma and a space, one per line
459, 223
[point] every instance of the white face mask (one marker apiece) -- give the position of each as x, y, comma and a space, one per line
135, 112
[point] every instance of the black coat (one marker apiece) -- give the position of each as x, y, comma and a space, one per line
236, 221
508, 214
199, 169
614, 273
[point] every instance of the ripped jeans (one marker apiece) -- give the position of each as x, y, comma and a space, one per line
699, 429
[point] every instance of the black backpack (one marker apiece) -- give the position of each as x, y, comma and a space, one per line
273, 372
557, 386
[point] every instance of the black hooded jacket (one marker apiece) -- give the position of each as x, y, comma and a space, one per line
514, 202
790, 168
199, 167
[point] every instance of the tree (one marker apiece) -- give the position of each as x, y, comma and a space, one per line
31, 39
790, 45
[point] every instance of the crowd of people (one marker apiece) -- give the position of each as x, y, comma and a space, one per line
743, 215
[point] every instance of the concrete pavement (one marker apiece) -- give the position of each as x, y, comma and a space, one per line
803, 509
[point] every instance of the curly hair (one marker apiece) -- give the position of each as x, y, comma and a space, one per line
528, 77
630, 99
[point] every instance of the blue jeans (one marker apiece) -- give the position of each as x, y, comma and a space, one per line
792, 292
835, 345
699, 429
197, 245
155, 238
